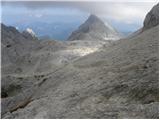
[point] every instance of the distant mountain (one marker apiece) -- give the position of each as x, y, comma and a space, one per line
94, 29
55, 30
28, 33
45, 37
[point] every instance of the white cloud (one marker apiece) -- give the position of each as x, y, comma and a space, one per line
122, 11
128, 12
38, 15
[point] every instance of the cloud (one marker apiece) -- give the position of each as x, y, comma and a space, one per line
126, 12
122, 11
38, 15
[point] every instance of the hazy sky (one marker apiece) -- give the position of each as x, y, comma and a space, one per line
123, 15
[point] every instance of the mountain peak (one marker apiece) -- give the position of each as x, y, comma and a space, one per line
94, 29
30, 31
92, 15
93, 19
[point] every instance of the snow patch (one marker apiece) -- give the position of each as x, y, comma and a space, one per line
30, 31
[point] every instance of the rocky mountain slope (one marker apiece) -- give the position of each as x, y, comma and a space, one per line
119, 80
94, 29
23, 56
152, 18
15, 44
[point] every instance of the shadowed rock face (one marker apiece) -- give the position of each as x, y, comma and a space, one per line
152, 18
94, 29
15, 44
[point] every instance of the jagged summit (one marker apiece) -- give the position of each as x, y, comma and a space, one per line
94, 29
93, 18
29, 30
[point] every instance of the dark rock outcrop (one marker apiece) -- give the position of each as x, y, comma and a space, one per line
152, 18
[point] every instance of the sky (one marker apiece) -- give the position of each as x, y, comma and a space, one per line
123, 15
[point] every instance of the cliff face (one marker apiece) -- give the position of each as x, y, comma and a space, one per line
152, 18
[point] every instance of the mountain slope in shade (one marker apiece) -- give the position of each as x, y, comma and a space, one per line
94, 29
152, 18
15, 44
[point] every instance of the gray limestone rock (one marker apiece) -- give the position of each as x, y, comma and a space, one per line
152, 18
